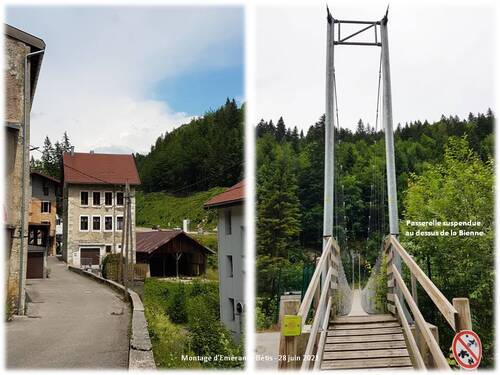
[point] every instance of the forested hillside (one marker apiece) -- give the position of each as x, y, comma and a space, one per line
438, 165
205, 153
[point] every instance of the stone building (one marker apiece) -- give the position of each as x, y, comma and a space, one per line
231, 256
93, 205
23, 59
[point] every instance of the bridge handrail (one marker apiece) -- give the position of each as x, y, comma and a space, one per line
305, 306
445, 307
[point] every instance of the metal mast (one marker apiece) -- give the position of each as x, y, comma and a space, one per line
329, 136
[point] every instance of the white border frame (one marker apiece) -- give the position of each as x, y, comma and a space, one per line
80, 198
112, 224
100, 198
116, 198
116, 223
92, 224
112, 199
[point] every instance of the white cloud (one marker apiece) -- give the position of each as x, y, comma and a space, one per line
441, 62
102, 64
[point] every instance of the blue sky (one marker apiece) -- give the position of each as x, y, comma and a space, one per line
116, 78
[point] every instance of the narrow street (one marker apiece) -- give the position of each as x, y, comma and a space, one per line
72, 322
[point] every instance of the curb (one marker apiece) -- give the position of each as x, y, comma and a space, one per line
140, 348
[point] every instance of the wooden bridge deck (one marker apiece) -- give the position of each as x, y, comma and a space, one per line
365, 342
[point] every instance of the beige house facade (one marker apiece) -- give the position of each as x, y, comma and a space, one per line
93, 213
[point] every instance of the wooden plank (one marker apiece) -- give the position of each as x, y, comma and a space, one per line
446, 308
366, 325
361, 354
316, 322
399, 344
390, 297
438, 356
366, 363
368, 338
417, 359
390, 283
364, 332
322, 337
463, 317
363, 319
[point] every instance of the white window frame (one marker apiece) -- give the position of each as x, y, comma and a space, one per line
116, 223
80, 198
80, 223
112, 199
50, 207
112, 224
100, 199
116, 199
100, 223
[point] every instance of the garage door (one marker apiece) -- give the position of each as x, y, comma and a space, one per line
90, 256
35, 266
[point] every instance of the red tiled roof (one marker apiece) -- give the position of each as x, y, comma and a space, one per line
234, 194
87, 168
148, 242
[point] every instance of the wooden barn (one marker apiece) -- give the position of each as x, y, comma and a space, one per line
171, 253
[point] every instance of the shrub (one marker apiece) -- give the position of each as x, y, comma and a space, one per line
381, 288
110, 265
176, 303
169, 341
208, 336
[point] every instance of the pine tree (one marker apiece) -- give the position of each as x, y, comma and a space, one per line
280, 130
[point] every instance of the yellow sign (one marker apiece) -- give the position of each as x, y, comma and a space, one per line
292, 325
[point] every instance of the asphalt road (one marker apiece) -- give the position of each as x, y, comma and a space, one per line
73, 322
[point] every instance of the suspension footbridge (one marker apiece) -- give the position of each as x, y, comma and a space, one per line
342, 328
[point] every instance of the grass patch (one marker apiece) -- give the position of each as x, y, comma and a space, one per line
168, 211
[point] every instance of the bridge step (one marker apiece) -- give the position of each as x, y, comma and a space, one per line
365, 342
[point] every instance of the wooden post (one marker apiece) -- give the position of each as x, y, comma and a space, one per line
422, 345
317, 292
463, 318
288, 344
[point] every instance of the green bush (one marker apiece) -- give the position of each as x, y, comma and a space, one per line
176, 305
169, 341
111, 261
381, 289
208, 336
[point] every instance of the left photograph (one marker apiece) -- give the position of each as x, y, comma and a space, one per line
124, 187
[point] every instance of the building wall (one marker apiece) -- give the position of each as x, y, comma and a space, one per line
74, 239
231, 287
15, 52
35, 210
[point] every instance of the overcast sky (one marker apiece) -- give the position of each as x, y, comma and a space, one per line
117, 78
441, 62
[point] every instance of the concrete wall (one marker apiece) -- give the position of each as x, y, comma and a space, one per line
15, 53
231, 286
74, 239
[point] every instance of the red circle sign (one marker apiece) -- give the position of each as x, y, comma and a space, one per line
467, 349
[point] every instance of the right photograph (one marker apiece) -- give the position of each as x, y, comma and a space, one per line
374, 196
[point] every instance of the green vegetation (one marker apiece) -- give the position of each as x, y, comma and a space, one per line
168, 211
194, 307
444, 171
206, 153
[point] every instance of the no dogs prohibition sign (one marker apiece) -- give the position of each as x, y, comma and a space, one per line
467, 349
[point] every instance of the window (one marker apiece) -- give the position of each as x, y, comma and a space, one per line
108, 198
227, 216
119, 223
96, 198
84, 223
58, 221
108, 249
84, 198
96, 223
119, 198
229, 266
45, 207
108, 223
231, 309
